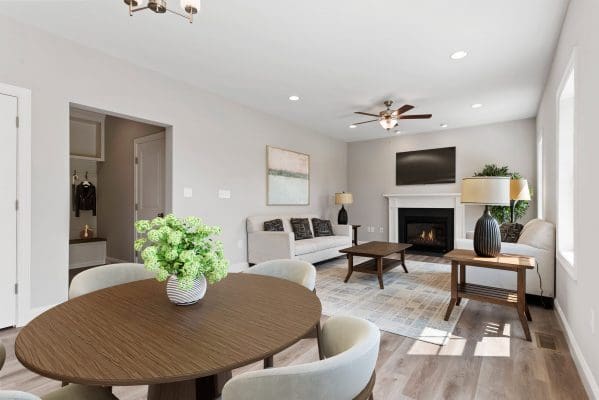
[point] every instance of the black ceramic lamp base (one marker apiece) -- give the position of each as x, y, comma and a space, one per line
342, 218
487, 238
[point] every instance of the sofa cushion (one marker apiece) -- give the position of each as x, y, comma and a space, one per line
510, 232
301, 228
256, 223
538, 233
322, 227
274, 225
320, 243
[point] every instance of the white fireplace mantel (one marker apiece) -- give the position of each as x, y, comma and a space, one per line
425, 200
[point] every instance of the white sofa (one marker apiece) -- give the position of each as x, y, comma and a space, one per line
266, 246
537, 239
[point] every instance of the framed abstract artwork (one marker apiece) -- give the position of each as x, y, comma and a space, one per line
288, 177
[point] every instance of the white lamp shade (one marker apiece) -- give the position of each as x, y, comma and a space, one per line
486, 190
190, 4
388, 123
519, 190
344, 198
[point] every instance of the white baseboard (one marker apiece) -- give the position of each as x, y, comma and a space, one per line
588, 380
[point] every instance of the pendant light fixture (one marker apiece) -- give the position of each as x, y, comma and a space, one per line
190, 7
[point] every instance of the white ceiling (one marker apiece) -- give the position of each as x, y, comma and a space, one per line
340, 56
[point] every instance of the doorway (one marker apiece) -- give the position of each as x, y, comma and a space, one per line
8, 209
149, 182
126, 162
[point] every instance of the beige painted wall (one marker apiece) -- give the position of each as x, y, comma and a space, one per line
577, 293
371, 167
217, 144
115, 185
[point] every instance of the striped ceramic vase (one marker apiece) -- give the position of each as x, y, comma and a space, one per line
182, 297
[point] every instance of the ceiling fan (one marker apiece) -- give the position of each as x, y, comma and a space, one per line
389, 118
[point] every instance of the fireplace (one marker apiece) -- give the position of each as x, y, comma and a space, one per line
428, 230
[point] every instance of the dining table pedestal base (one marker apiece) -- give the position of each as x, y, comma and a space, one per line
206, 388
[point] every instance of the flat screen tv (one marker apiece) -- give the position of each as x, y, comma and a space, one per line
424, 167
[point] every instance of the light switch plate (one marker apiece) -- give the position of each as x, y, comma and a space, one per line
187, 192
224, 194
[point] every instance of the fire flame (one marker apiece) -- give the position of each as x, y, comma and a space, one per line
428, 236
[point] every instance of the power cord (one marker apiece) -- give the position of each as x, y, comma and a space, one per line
540, 285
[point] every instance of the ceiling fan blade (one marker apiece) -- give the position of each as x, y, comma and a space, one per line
416, 116
365, 113
365, 122
404, 108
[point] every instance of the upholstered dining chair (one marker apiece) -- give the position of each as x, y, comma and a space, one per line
104, 276
351, 347
69, 392
301, 272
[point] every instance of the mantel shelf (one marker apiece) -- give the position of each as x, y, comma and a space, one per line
422, 195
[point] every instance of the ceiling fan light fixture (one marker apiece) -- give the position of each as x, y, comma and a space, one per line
190, 7
388, 122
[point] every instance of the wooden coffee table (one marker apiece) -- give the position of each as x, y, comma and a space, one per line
380, 263
506, 262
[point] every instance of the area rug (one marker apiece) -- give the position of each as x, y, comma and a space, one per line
411, 304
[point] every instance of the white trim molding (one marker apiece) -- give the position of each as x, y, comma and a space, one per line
426, 200
23, 96
586, 375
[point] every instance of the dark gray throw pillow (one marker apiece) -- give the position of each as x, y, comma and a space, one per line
510, 233
322, 227
301, 228
274, 225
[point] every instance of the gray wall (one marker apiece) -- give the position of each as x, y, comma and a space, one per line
115, 185
217, 144
371, 167
577, 294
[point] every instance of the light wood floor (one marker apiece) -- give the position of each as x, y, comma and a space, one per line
487, 359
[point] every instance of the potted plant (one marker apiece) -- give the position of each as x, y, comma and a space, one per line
184, 252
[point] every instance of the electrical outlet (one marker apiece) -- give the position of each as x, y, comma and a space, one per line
187, 192
224, 194
592, 321
381, 229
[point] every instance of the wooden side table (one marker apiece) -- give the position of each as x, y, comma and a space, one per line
355, 237
462, 289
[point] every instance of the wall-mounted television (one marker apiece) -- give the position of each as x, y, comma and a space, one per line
425, 167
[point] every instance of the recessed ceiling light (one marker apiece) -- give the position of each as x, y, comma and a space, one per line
477, 105
294, 98
352, 126
443, 125
397, 132
458, 55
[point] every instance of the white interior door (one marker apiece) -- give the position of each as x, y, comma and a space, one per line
8, 196
149, 177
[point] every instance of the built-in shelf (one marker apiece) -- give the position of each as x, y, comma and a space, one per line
86, 132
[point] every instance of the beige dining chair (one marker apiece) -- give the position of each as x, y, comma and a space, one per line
351, 347
69, 392
301, 272
104, 276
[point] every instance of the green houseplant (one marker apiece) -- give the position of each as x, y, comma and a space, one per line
183, 251
500, 213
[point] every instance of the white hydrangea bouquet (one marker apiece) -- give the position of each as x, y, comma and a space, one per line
181, 249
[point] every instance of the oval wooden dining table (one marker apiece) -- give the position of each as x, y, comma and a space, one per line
131, 334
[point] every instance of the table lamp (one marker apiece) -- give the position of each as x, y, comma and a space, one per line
487, 191
343, 198
518, 191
